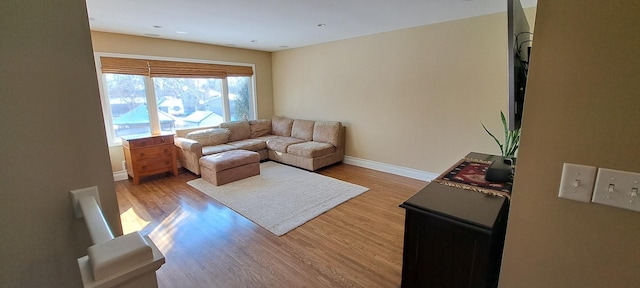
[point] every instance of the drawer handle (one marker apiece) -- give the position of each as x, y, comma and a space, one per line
167, 162
141, 154
162, 140
144, 167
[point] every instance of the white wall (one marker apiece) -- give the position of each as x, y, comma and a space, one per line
53, 141
582, 107
413, 98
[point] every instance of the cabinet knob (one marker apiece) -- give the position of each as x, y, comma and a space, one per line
162, 139
141, 154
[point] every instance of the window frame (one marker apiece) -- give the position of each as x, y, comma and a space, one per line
150, 92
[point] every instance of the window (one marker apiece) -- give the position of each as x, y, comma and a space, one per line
240, 98
143, 96
128, 103
190, 102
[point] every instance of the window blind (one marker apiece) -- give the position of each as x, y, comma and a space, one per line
160, 68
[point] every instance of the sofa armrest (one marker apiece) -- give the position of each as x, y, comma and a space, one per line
189, 152
188, 145
341, 141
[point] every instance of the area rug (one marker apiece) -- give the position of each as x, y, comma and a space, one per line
281, 198
469, 174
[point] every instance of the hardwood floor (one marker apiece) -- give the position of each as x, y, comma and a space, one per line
206, 244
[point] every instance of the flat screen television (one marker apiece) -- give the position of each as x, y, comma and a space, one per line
519, 47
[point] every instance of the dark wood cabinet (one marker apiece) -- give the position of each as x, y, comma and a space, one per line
453, 237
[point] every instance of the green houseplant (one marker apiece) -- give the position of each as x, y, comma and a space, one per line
511, 139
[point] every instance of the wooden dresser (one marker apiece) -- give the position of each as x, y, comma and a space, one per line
149, 155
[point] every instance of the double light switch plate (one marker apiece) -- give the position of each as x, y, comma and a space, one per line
617, 188
610, 187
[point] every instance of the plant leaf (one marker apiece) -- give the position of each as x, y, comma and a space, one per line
507, 143
514, 142
511, 138
506, 133
494, 138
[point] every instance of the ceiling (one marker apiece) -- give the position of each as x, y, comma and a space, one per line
272, 25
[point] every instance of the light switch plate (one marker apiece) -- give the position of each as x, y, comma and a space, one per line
618, 189
577, 182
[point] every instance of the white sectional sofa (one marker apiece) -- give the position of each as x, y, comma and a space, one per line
302, 143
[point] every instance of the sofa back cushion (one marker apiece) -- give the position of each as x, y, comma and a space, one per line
240, 130
302, 129
327, 132
260, 127
210, 137
183, 132
281, 126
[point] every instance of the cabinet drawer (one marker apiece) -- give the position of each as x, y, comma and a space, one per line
149, 141
154, 152
152, 164
168, 139
142, 142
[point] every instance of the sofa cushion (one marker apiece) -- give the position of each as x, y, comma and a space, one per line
208, 137
208, 150
228, 160
280, 144
249, 144
184, 131
281, 126
240, 130
267, 137
327, 132
302, 129
260, 127
311, 149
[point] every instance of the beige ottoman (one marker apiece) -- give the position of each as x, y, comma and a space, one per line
225, 167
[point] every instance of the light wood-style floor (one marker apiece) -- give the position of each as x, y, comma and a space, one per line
206, 244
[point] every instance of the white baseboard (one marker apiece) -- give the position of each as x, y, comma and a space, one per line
393, 169
120, 175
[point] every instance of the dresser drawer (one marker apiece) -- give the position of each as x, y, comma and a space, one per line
168, 139
147, 165
149, 141
137, 143
153, 152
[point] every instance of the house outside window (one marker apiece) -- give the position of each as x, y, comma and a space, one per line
190, 102
161, 103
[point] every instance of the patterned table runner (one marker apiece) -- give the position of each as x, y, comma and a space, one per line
469, 174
